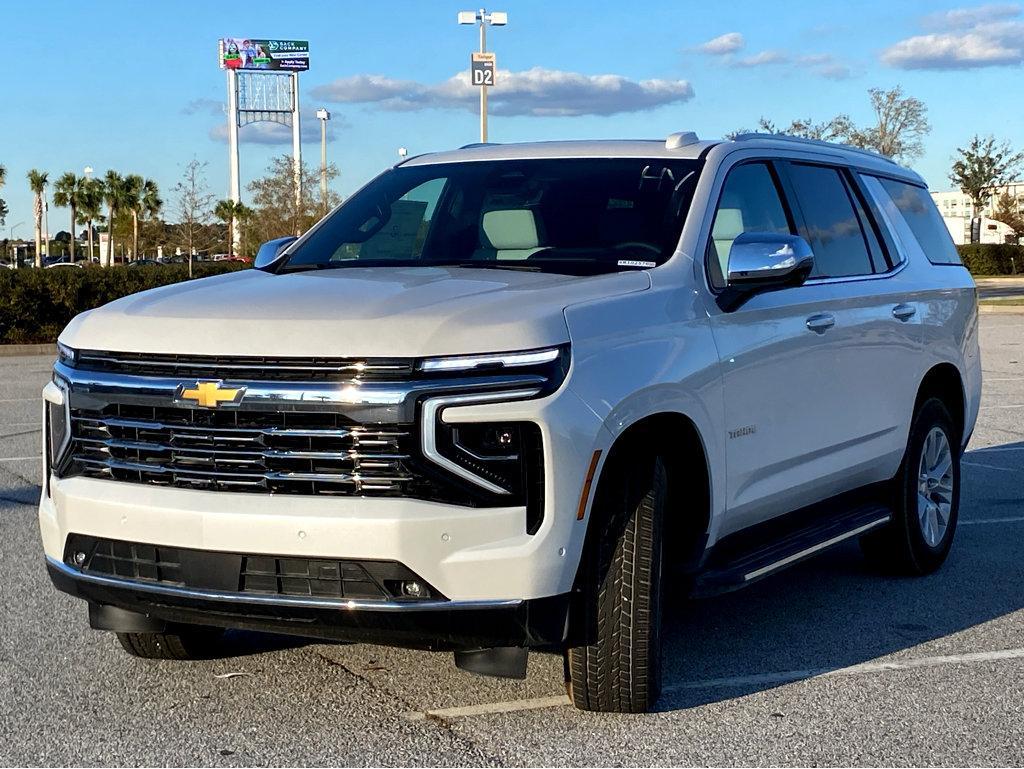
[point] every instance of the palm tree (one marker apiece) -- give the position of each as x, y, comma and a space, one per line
115, 193
90, 206
67, 193
142, 198
230, 211
37, 181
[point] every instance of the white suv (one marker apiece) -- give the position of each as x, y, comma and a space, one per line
503, 397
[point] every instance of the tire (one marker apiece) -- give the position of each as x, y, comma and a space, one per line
185, 643
620, 671
911, 544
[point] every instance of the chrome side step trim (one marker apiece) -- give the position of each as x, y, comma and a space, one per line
814, 549
279, 600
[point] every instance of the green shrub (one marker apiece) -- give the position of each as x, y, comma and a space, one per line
993, 258
35, 305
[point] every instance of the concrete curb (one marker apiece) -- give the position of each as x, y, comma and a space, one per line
1008, 310
10, 350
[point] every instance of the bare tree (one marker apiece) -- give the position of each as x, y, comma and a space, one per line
273, 196
193, 202
901, 123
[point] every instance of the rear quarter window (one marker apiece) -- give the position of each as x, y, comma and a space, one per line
922, 217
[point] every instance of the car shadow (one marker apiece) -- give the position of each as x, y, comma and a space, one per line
835, 611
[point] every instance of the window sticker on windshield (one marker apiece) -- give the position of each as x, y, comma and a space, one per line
636, 263
619, 203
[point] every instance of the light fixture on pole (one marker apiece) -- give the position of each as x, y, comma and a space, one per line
482, 66
403, 152
323, 116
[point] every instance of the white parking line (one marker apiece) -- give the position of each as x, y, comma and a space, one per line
19, 459
991, 467
490, 707
996, 448
734, 682
980, 521
20, 400
1005, 406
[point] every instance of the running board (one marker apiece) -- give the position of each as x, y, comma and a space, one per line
757, 554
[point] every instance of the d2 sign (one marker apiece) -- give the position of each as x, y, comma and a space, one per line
482, 69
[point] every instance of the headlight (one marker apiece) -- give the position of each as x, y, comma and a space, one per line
57, 423
551, 363
66, 355
491, 361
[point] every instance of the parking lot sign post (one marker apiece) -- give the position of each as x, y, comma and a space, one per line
483, 71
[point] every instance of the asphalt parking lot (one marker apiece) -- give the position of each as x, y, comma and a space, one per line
827, 663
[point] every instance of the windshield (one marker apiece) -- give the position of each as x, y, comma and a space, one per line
574, 216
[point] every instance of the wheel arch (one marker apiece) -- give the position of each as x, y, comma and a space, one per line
944, 381
674, 437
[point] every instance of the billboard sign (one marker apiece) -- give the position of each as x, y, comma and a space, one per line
482, 69
251, 53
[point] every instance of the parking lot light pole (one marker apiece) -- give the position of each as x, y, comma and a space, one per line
483, 18
88, 175
323, 116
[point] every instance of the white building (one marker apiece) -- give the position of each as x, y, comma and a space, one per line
957, 211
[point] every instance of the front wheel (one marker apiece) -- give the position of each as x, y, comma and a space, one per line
620, 672
926, 498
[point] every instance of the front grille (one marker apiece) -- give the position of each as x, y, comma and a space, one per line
280, 452
243, 573
269, 369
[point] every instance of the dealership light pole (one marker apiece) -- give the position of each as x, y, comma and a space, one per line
479, 76
323, 116
88, 175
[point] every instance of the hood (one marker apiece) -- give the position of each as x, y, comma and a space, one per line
347, 312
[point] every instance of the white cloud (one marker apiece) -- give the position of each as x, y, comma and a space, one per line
965, 18
761, 59
537, 92
205, 107
730, 42
275, 133
986, 36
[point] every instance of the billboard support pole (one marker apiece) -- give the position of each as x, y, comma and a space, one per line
234, 192
296, 143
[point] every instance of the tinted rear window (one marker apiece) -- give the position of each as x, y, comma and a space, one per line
831, 223
921, 215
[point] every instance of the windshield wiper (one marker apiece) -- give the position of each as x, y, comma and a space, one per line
484, 265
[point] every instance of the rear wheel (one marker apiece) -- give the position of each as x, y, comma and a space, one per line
926, 498
184, 642
620, 672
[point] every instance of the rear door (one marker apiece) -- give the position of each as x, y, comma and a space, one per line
878, 338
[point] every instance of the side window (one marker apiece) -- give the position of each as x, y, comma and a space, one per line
402, 231
921, 215
830, 222
750, 202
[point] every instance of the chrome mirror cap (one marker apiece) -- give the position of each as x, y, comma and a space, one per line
270, 251
768, 257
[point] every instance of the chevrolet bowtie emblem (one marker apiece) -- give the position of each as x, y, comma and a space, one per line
209, 394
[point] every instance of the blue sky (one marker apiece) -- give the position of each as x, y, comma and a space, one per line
136, 87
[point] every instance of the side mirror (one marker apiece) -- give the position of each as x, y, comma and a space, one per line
270, 251
764, 261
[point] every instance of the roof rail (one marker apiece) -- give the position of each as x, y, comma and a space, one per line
681, 139
813, 142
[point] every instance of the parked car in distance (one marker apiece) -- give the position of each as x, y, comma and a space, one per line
143, 263
509, 397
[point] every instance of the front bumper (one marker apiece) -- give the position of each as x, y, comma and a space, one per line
435, 625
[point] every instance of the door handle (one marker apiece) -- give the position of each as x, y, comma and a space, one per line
904, 312
821, 322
